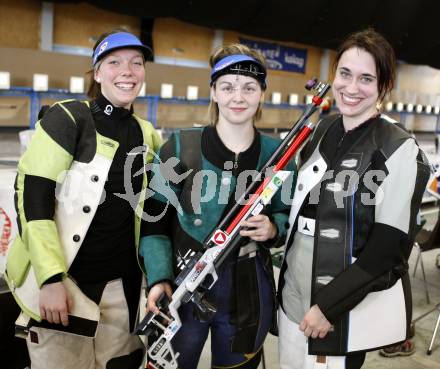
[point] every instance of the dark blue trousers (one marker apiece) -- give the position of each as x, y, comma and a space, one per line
190, 339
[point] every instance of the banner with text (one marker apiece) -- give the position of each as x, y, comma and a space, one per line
280, 57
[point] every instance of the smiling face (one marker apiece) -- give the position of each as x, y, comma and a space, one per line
355, 86
121, 74
237, 97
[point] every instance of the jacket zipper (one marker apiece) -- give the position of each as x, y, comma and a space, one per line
235, 166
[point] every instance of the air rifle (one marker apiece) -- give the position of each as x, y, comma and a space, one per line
199, 269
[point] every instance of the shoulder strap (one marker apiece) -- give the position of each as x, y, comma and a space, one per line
189, 150
320, 130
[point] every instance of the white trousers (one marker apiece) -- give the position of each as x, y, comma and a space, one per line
50, 349
293, 348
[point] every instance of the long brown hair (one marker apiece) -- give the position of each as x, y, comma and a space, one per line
381, 51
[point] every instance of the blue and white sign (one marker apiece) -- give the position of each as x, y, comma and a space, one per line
280, 57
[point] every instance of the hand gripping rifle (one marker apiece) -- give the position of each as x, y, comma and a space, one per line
199, 273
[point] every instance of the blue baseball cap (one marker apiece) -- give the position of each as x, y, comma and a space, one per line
239, 64
119, 40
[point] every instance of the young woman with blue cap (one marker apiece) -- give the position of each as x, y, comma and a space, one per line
73, 268
222, 158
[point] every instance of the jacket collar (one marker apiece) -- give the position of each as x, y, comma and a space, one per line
217, 153
103, 106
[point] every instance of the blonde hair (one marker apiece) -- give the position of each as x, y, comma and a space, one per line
222, 52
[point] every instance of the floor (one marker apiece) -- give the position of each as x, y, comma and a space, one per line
424, 328
10, 150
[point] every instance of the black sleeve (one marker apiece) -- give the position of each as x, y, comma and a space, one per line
160, 216
378, 268
383, 259
159, 208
